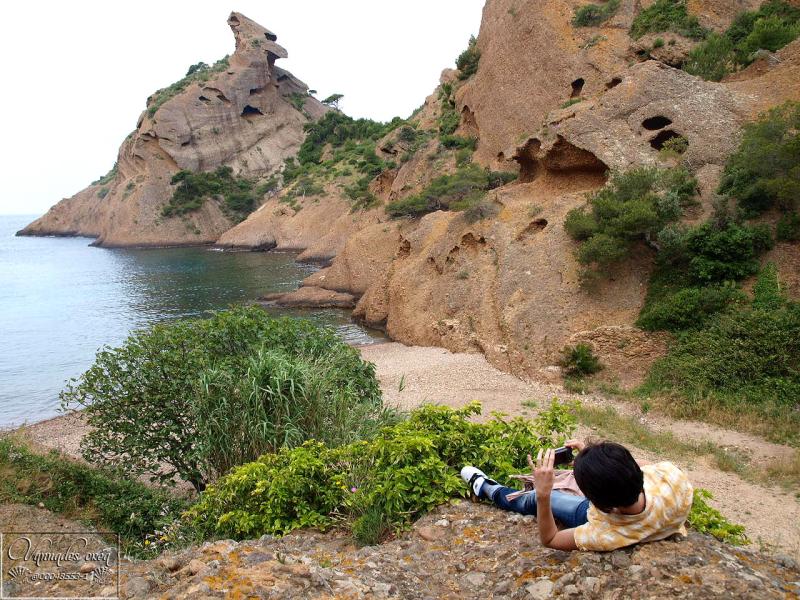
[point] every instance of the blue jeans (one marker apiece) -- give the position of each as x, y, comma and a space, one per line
568, 509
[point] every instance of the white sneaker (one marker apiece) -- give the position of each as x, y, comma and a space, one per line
475, 478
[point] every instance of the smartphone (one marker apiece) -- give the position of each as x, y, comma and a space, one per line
564, 456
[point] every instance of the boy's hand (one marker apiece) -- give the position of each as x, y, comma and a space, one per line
543, 472
576, 445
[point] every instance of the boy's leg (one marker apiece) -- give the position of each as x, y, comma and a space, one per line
568, 509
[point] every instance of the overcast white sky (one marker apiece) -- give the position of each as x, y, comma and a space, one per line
76, 74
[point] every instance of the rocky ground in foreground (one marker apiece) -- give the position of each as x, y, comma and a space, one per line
460, 550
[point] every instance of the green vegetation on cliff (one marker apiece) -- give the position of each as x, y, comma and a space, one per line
191, 398
733, 358
97, 497
772, 26
238, 193
467, 61
667, 15
462, 190
592, 15
635, 206
199, 72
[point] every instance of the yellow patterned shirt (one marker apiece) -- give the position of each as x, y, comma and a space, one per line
668, 495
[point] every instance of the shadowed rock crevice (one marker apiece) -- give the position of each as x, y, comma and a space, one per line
613, 83
468, 122
561, 157
656, 123
249, 112
527, 158
577, 87
663, 137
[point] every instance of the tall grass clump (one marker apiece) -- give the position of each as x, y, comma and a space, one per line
667, 15
592, 15
191, 398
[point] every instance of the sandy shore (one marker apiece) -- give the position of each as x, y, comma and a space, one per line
411, 376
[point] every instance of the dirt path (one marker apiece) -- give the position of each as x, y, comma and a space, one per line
413, 375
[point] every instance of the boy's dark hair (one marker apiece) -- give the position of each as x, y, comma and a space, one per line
608, 475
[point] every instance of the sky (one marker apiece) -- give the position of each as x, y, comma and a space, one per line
77, 73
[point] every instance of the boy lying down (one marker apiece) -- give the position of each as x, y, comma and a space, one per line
622, 501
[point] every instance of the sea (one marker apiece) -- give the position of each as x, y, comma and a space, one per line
61, 300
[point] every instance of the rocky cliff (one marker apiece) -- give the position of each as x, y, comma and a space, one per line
243, 112
561, 105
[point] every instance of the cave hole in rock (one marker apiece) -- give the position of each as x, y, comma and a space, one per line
656, 123
527, 158
257, 90
577, 87
538, 224
501, 156
204, 99
614, 83
250, 111
663, 137
271, 36
186, 143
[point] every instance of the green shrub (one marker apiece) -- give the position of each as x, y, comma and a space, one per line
195, 188
336, 128
772, 26
788, 228
667, 15
764, 172
635, 205
688, 308
579, 361
448, 122
298, 101
467, 61
713, 59
769, 33
98, 497
706, 519
458, 141
728, 253
197, 73
194, 396
376, 485
457, 191
675, 146
743, 360
571, 102
592, 15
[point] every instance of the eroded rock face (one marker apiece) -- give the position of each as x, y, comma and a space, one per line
509, 286
242, 116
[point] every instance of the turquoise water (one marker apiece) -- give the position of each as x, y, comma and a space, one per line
61, 300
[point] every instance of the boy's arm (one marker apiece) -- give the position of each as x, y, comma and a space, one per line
549, 534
